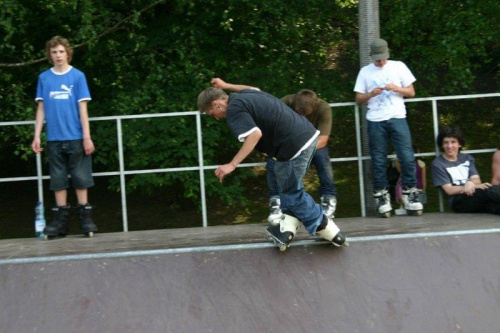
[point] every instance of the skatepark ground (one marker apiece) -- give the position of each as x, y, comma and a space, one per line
434, 273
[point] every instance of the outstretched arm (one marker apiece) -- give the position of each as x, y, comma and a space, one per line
219, 83
245, 150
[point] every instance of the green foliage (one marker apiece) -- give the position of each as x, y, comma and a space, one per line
155, 56
451, 46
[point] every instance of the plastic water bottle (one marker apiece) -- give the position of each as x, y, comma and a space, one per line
39, 220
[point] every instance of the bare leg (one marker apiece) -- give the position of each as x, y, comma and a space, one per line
82, 195
61, 197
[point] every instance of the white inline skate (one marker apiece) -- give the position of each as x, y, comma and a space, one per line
383, 202
281, 234
411, 201
275, 212
329, 204
333, 234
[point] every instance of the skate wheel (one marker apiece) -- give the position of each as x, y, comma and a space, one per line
386, 214
415, 212
283, 247
90, 234
346, 243
45, 237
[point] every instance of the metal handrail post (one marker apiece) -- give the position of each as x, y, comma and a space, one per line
199, 137
39, 176
123, 188
360, 161
435, 121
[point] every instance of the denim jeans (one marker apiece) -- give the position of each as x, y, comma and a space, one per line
68, 158
398, 131
321, 160
294, 200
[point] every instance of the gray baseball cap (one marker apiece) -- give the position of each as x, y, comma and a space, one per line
379, 50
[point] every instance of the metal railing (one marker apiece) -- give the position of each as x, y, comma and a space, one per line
122, 172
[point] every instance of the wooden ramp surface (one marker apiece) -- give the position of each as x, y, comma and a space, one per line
434, 273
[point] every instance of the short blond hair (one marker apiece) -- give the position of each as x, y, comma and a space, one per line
55, 41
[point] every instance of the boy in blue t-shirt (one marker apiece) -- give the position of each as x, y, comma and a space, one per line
62, 95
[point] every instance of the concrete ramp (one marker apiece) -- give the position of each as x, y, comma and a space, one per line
426, 283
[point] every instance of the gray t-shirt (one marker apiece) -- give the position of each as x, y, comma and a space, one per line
455, 173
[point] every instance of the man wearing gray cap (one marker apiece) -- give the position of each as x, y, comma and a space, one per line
383, 85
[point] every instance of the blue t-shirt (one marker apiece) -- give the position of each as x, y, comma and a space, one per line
285, 133
61, 93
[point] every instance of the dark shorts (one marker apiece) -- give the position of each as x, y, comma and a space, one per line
68, 158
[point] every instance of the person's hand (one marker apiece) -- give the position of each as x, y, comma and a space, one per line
36, 146
88, 146
392, 87
484, 186
469, 188
218, 83
224, 170
376, 91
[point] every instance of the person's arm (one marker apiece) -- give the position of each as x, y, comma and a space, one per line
322, 141
245, 150
424, 179
219, 83
404, 91
324, 123
469, 188
397, 165
495, 168
88, 145
363, 98
36, 145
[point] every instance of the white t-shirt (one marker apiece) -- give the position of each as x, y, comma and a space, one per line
389, 104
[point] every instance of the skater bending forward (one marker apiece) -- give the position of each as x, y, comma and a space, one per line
456, 174
62, 95
265, 123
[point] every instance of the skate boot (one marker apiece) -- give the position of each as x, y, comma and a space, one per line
329, 204
59, 225
275, 212
85, 220
383, 202
282, 234
332, 233
411, 202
